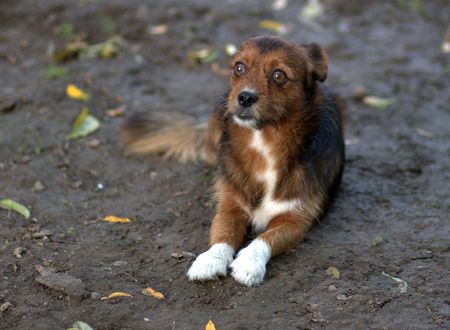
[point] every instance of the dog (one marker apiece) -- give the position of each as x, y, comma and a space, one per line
277, 138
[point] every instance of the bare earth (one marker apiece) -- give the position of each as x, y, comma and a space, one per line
396, 184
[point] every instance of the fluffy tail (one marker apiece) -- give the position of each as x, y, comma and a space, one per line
172, 136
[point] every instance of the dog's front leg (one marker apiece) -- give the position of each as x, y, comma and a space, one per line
228, 231
283, 233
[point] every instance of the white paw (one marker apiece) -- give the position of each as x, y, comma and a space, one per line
249, 267
212, 263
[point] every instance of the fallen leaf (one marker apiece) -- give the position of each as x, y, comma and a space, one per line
205, 55
106, 49
116, 295
312, 10
75, 93
210, 326
88, 125
114, 219
55, 72
377, 240
80, 325
67, 30
279, 4
402, 285
9, 204
425, 133
377, 102
230, 49
71, 50
118, 112
274, 26
154, 293
334, 272
158, 29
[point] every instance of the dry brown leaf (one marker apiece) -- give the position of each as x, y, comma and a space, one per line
114, 219
154, 293
210, 326
116, 295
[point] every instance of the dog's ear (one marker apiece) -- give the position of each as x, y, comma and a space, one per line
317, 61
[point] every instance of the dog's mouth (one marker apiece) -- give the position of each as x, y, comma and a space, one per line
244, 114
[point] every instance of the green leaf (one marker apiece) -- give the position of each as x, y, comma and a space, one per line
67, 30
333, 272
377, 102
377, 240
80, 325
85, 125
55, 72
9, 204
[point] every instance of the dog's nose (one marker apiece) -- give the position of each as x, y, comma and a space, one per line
246, 99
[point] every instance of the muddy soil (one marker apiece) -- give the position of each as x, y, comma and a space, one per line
396, 183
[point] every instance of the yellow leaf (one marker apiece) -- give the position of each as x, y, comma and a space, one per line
75, 93
154, 293
272, 25
113, 218
116, 295
210, 326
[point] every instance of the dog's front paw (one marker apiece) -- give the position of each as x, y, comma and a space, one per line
249, 267
212, 263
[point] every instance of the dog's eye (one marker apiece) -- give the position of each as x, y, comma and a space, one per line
239, 69
279, 77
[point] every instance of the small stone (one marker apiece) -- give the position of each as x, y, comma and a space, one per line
44, 271
94, 143
331, 288
7, 105
183, 255
153, 175
119, 263
358, 93
95, 295
18, 251
42, 234
5, 306
65, 283
38, 186
77, 184
341, 297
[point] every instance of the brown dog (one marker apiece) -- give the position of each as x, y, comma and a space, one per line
278, 139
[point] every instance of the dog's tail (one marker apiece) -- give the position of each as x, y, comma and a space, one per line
172, 136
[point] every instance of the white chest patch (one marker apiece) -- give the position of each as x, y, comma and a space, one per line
269, 207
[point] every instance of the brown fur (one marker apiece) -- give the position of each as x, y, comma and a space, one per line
300, 122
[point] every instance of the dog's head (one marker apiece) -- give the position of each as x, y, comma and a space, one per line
271, 77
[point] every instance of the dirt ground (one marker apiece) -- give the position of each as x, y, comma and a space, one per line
396, 184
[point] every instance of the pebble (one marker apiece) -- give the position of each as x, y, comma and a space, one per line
120, 263
42, 233
95, 295
331, 288
18, 251
341, 297
61, 282
38, 186
5, 306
